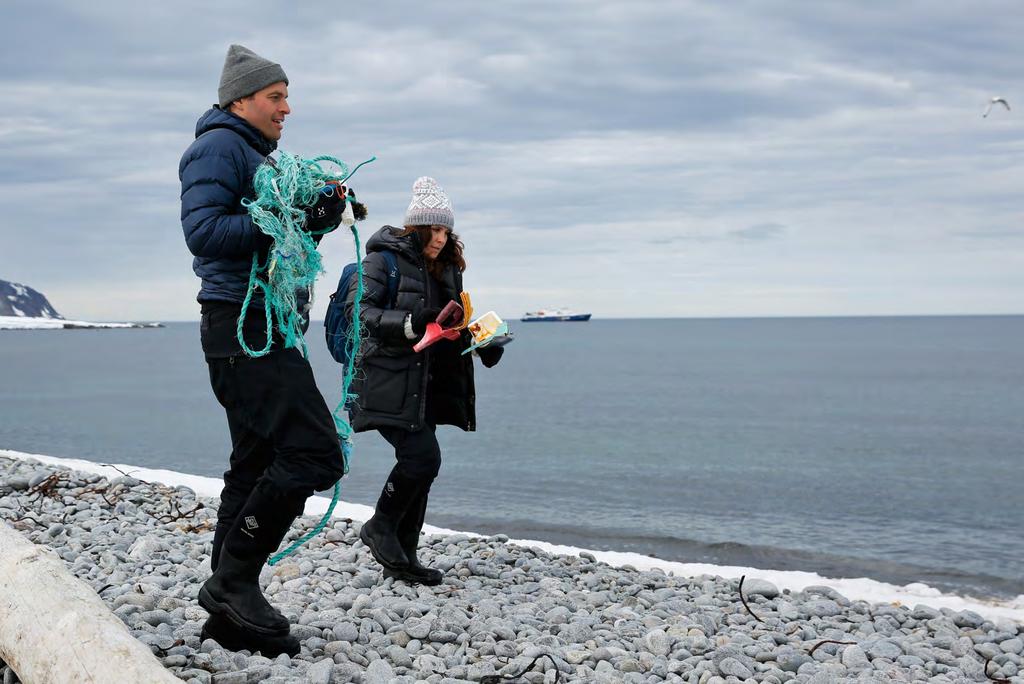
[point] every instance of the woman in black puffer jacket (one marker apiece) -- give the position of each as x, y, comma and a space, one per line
403, 394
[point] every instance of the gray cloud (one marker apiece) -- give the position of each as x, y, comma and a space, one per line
761, 231
668, 148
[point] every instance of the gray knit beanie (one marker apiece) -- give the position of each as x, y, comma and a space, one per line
429, 206
244, 73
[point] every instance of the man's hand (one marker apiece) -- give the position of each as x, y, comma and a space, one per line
325, 214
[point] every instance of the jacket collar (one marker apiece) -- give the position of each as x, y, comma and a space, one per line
215, 117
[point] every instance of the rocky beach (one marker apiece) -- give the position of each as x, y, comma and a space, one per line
505, 613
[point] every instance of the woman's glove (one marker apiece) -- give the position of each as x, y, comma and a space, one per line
490, 356
422, 317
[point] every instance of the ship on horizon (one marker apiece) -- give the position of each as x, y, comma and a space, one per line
554, 315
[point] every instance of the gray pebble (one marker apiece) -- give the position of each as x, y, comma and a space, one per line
968, 618
320, 672
760, 587
734, 668
1015, 645
822, 608
854, 658
19, 483
883, 649
417, 629
230, 678
792, 662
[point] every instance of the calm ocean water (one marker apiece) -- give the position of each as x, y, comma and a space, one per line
891, 448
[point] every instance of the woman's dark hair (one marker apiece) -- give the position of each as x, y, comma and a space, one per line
451, 253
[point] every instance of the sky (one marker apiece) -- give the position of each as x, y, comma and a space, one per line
631, 159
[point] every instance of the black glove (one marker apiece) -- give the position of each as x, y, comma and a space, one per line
490, 356
422, 317
325, 214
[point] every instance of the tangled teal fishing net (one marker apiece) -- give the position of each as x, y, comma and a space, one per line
284, 188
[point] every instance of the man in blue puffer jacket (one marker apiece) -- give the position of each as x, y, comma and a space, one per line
284, 444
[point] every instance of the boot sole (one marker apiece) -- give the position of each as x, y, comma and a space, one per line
227, 634
410, 578
373, 551
215, 607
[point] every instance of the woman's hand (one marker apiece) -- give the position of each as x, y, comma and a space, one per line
490, 355
422, 317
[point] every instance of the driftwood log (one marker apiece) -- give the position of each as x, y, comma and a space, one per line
55, 629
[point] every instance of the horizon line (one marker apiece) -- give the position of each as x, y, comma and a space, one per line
654, 318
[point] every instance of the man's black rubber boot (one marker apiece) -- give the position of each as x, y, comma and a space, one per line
225, 633
233, 592
409, 537
380, 532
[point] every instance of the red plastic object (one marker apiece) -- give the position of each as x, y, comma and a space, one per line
433, 334
443, 327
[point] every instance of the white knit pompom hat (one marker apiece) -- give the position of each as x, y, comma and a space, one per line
430, 205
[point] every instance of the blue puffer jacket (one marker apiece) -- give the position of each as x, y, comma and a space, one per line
216, 173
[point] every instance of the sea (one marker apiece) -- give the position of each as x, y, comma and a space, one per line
889, 448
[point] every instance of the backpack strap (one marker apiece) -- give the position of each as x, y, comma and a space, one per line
392, 266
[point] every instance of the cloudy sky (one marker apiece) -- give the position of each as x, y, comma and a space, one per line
640, 158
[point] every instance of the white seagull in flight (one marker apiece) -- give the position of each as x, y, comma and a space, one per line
993, 101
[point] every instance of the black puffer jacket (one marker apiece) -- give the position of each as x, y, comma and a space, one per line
392, 382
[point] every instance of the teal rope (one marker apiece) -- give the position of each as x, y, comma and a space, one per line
342, 426
283, 189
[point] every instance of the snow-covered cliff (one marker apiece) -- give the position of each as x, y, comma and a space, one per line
20, 300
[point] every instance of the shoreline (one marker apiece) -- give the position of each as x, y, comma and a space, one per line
504, 609
855, 588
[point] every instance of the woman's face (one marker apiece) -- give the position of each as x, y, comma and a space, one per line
438, 239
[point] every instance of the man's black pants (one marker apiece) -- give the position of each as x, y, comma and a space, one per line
281, 428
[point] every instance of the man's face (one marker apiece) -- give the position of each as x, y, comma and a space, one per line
265, 109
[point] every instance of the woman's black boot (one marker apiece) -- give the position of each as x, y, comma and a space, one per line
380, 532
409, 537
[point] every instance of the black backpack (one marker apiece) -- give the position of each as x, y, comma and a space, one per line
336, 323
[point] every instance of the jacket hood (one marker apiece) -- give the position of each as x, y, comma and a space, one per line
215, 117
388, 238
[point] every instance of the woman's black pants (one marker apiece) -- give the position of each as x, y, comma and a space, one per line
404, 497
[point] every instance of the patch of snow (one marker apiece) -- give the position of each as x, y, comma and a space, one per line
35, 323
